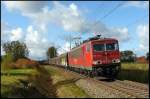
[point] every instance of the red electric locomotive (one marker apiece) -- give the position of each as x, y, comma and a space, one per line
95, 56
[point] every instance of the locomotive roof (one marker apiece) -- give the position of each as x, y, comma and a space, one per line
104, 39
96, 38
90, 40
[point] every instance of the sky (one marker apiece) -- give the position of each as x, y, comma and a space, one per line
42, 24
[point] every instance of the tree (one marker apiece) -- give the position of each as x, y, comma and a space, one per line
51, 52
17, 49
147, 56
128, 56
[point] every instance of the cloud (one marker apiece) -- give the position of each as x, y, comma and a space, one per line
9, 33
138, 4
74, 9
37, 43
17, 34
25, 6
5, 32
70, 18
65, 48
122, 34
72, 22
143, 33
67, 17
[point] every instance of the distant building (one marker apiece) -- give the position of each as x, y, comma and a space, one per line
141, 59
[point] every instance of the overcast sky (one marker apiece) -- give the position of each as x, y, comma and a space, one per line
41, 24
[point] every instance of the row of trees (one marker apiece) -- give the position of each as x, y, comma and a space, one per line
130, 56
18, 50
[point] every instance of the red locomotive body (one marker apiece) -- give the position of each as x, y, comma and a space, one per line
81, 57
94, 57
105, 51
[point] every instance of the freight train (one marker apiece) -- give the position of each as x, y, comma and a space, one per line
94, 57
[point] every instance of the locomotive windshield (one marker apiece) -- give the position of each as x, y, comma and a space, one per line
112, 46
108, 47
99, 47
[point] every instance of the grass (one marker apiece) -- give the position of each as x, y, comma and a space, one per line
9, 84
58, 83
134, 72
135, 66
20, 72
11, 87
49, 82
8, 80
52, 71
65, 84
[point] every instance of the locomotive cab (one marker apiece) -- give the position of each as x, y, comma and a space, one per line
106, 56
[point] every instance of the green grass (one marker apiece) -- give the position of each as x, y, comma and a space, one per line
65, 84
20, 72
134, 72
55, 83
52, 71
8, 80
11, 87
135, 66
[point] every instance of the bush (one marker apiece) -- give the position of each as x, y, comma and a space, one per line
24, 63
6, 62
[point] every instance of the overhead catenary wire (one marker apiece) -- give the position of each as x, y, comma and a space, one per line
107, 14
115, 8
110, 12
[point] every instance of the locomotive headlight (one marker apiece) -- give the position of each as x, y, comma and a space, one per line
96, 62
116, 61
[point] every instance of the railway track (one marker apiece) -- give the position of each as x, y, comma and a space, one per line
123, 88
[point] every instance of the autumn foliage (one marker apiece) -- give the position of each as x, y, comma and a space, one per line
24, 63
